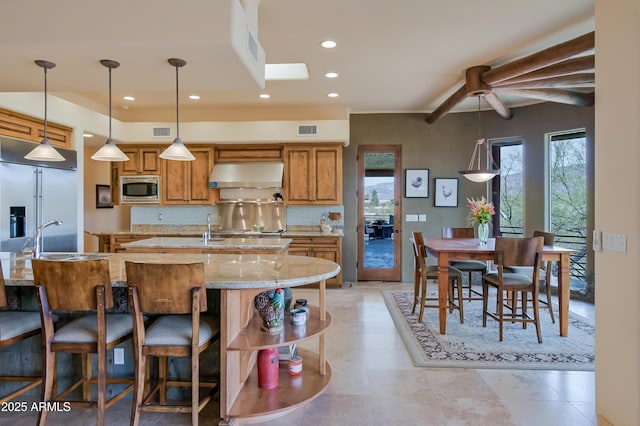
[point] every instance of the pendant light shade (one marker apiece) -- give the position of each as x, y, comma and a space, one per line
45, 151
110, 151
177, 150
475, 172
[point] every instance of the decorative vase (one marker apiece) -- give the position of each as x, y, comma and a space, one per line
483, 233
270, 307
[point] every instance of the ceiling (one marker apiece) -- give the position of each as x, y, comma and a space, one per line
391, 56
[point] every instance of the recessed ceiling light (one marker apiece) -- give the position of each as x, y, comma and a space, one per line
194, 97
264, 96
331, 75
292, 71
87, 135
332, 95
328, 44
129, 98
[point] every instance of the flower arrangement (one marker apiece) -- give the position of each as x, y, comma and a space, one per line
480, 210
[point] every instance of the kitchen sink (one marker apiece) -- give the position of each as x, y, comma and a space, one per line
71, 256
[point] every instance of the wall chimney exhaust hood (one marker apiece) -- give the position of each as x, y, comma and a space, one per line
247, 175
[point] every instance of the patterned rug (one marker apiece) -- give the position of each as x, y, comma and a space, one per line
469, 345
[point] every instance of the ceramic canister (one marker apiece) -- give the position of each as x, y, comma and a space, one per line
302, 304
298, 316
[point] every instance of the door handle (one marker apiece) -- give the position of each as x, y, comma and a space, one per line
397, 203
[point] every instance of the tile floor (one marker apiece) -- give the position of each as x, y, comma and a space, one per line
375, 383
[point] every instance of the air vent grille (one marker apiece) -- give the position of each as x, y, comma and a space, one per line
253, 47
307, 129
162, 132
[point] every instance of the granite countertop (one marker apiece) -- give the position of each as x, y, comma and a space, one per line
249, 243
222, 271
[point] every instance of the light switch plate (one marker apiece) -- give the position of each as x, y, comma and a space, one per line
597, 240
614, 242
411, 218
422, 218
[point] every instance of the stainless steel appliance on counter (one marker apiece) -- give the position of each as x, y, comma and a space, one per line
267, 216
32, 193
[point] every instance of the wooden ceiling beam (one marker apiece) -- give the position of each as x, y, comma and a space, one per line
446, 106
541, 59
495, 102
563, 81
570, 66
552, 95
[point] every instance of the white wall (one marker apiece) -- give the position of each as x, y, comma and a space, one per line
617, 205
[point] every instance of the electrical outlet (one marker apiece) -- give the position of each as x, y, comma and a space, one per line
159, 217
118, 356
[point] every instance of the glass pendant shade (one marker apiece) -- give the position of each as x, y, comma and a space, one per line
45, 151
110, 151
177, 150
475, 172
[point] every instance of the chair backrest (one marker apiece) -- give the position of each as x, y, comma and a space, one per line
70, 285
448, 232
549, 238
419, 252
165, 288
518, 251
3, 294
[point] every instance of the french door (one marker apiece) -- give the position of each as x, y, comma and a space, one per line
379, 213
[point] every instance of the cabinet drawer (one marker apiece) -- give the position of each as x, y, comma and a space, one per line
325, 241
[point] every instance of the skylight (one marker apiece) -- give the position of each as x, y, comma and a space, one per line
295, 71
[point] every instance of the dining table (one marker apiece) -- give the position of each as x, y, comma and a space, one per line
448, 249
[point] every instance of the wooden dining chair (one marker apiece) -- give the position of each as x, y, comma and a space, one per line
177, 293
422, 273
466, 266
16, 326
514, 252
79, 286
545, 272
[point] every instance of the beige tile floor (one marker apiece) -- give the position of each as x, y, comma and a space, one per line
375, 383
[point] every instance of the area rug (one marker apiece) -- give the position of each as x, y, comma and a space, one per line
470, 345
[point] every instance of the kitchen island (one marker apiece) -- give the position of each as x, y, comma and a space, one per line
248, 245
238, 278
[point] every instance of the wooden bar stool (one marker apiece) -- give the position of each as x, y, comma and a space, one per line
176, 292
76, 286
16, 326
422, 273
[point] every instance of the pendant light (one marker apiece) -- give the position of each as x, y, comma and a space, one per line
45, 151
177, 150
475, 172
110, 151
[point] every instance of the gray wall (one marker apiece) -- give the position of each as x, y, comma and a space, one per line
444, 148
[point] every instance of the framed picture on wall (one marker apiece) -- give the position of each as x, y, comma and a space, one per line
416, 183
446, 192
103, 197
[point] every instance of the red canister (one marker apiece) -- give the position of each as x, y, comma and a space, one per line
268, 365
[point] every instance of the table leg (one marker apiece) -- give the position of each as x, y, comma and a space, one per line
564, 293
443, 280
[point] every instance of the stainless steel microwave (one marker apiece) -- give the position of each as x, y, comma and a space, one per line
140, 189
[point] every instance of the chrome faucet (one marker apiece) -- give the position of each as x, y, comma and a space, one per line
38, 237
209, 224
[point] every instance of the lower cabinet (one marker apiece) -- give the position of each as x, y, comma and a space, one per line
242, 338
328, 248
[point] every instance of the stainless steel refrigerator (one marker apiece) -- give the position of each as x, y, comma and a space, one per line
33, 193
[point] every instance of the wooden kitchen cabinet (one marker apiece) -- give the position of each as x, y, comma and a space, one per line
328, 248
31, 129
313, 174
143, 160
248, 153
187, 182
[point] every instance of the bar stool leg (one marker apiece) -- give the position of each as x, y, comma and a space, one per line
162, 377
49, 371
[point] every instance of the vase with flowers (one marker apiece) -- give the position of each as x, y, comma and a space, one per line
480, 211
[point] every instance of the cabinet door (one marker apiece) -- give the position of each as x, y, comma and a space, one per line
130, 167
199, 172
173, 182
328, 175
298, 175
149, 161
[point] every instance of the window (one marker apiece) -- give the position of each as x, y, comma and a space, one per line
508, 188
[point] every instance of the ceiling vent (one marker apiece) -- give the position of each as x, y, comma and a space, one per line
162, 132
307, 129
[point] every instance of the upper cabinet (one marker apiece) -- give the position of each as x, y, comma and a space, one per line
143, 160
313, 174
22, 126
187, 182
248, 153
